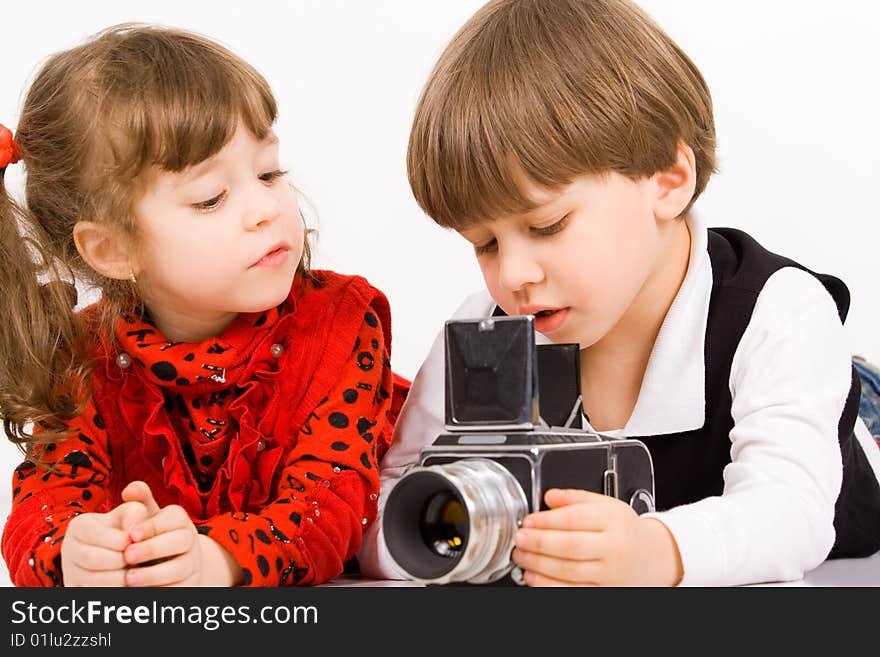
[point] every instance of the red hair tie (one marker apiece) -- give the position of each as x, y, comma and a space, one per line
10, 153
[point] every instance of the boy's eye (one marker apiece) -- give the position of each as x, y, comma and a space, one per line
272, 176
488, 247
552, 229
211, 204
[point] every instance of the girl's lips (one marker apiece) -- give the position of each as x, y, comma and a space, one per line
273, 258
547, 323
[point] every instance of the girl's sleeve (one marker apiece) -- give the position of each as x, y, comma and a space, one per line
328, 489
59, 481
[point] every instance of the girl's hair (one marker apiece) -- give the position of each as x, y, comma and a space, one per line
552, 90
95, 119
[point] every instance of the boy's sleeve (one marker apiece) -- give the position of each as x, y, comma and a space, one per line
789, 380
60, 480
329, 487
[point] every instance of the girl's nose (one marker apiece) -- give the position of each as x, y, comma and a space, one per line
263, 208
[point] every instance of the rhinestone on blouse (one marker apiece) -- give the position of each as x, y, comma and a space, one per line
327, 483
276, 350
363, 521
261, 445
123, 360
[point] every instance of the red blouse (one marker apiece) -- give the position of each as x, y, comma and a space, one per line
269, 436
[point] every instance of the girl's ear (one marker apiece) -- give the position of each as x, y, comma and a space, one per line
675, 186
103, 249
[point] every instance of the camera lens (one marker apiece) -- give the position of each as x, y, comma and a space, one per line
444, 525
454, 522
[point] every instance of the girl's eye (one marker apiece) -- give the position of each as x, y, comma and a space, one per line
552, 229
272, 176
488, 247
211, 204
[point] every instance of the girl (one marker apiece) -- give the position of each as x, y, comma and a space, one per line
218, 416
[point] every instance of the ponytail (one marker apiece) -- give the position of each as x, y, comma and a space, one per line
43, 360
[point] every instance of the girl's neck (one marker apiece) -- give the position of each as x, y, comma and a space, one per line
181, 326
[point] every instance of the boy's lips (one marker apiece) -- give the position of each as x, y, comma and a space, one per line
547, 319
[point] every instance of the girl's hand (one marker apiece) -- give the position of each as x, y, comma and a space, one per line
92, 553
165, 549
591, 539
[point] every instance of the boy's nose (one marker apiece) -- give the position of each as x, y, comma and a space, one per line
517, 269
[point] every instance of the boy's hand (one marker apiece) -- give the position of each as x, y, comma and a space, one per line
165, 549
92, 553
591, 539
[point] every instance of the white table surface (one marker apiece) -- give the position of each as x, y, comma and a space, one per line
836, 572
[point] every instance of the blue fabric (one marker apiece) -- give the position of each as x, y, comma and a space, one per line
869, 404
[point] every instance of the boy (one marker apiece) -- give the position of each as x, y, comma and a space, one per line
568, 142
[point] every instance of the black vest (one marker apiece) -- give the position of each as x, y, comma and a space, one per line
688, 466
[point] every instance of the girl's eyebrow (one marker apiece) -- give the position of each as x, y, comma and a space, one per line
205, 166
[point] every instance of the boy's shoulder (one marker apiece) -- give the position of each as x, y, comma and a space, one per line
741, 263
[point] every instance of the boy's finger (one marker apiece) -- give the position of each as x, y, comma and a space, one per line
556, 497
578, 545
139, 491
573, 517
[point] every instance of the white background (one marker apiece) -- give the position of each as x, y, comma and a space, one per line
794, 85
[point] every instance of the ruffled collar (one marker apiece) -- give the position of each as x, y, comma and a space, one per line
215, 362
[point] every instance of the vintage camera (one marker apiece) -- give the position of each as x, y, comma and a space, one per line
451, 518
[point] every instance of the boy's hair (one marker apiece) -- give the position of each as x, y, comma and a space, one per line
552, 89
96, 119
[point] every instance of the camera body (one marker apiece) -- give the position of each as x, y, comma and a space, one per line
452, 517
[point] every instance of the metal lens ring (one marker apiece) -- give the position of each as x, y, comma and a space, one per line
494, 505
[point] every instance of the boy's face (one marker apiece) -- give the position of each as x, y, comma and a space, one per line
580, 261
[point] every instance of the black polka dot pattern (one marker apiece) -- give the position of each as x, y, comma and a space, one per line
164, 370
338, 420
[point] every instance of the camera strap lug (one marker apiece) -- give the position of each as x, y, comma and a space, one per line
611, 474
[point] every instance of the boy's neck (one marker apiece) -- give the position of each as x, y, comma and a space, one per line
612, 369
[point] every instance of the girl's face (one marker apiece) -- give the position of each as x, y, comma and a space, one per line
220, 238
